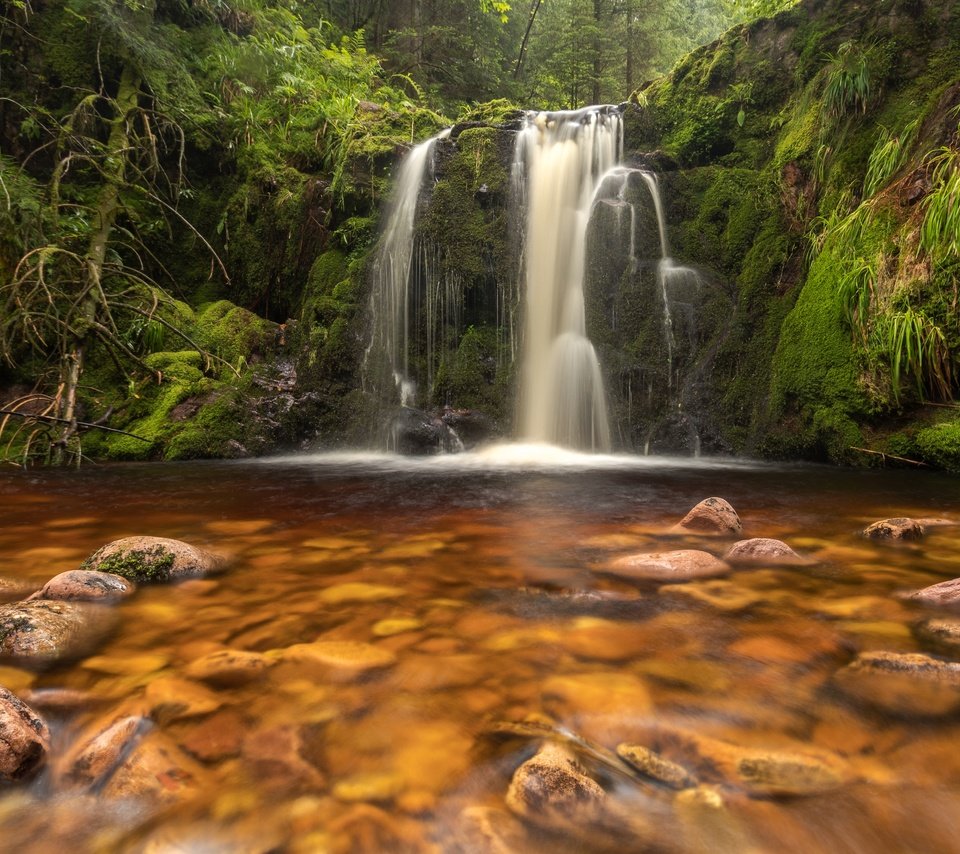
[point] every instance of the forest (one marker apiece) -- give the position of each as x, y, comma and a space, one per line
192, 193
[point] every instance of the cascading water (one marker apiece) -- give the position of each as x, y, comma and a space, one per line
564, 157
390, 300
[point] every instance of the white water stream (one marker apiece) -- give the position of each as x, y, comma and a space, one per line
565, 156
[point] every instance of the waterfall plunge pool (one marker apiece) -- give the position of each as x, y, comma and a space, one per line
479, 580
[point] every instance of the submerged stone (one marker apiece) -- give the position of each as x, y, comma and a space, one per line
24, 739
229, 667
84, 585
941, 633
348, 656
101, 750
675, 566
765, 551
911, 684
655, 766
153, 559
711, 516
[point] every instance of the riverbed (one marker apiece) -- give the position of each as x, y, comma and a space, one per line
481, 581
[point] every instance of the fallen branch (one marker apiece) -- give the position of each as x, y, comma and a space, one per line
86, 424
885, 457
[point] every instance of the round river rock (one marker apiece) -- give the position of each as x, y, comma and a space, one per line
765, 551
85, 585
711, 516
43, 631
682, 565
900, 528
24, 739
153, 559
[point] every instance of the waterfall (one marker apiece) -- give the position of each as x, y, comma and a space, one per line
671, 277
391, 298
564, 157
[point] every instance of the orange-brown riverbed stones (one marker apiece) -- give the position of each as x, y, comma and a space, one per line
24, 739
85, 585
763, 551
711, 516
675, 566
900, 528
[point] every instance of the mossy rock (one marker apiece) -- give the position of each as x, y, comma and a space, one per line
233, 334
940, 445
146, 560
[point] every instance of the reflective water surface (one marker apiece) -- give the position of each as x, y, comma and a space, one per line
479, 583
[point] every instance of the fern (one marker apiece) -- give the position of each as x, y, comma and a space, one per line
888, 157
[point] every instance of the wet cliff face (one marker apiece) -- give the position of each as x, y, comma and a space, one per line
745, 339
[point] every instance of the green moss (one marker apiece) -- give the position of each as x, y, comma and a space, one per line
144, 566
940, 445
497, 112
233, 333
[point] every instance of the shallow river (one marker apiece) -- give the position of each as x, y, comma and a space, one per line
480, 583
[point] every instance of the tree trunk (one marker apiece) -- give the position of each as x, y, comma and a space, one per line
628, 9
91, 294
597, 50
534, 8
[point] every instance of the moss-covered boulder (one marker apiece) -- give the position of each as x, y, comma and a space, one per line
147, 560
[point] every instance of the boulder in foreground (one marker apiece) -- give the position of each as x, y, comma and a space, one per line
43, 631
24, 739
85, 585
763, 551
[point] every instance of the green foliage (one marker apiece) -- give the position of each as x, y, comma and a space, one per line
888, 157
912, 344
940, 232
849, 82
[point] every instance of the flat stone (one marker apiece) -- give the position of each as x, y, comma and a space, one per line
229, 667
675, 566
911, 684
24, 739
711, 516
900, 528
170, 698
369, 787
41, 632
216, 738
656, 767
153, 559
764, 551
101, 750
61, 699
85, 585
359, 592
156, 772
761, 772
941, 633
276, 754
946, 593
396, 626
352, 656
717, 593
